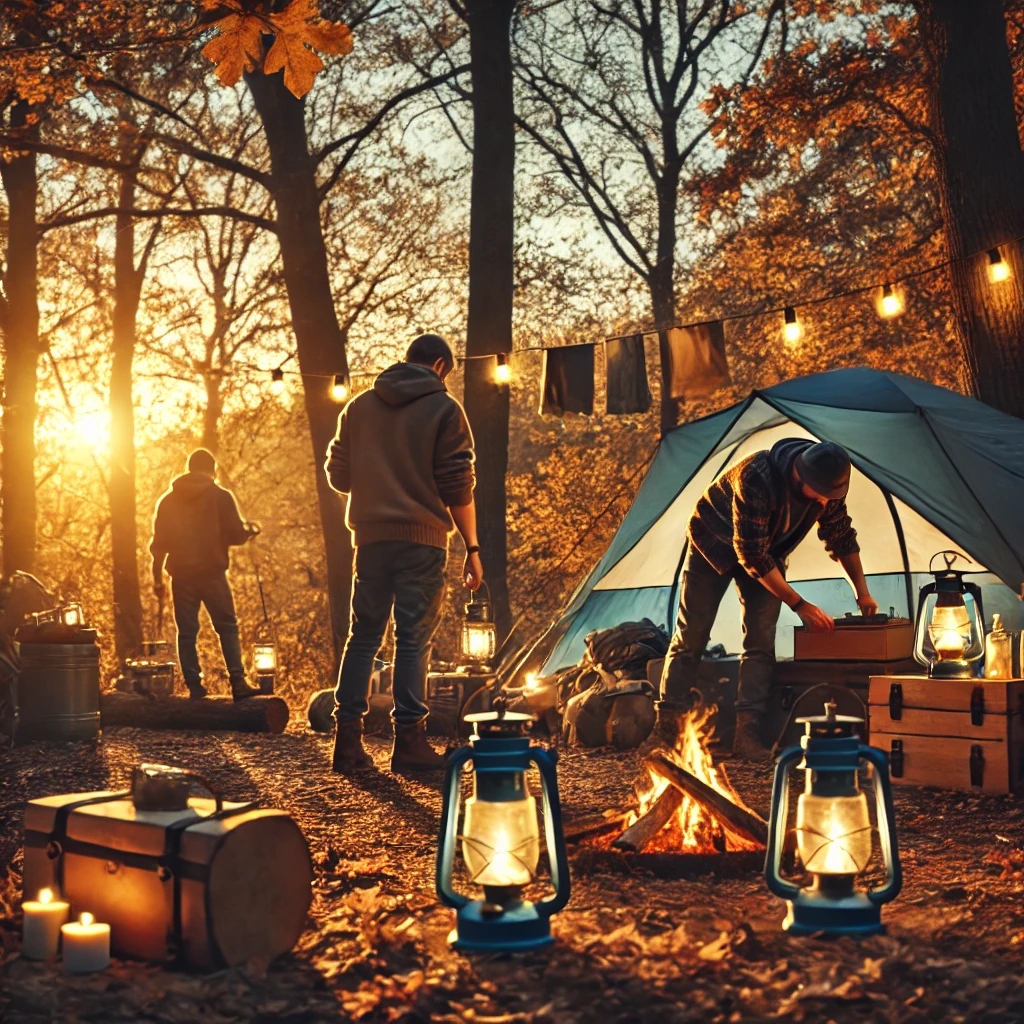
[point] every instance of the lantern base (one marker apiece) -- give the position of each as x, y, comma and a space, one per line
950, 670
812, 914
519, 929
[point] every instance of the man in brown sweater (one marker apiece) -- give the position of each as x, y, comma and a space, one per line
745, 526
404, 456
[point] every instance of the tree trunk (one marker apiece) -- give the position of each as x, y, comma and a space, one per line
981, 184
123, 524
318, 337
21, 354
212, 413
661, 280
489, 325
254, 714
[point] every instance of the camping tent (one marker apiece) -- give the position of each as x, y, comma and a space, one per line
933, 470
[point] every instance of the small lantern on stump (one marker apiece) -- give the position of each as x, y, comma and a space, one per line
500, 838
264, 661
833, 831
949, 637
150, 671
479, 634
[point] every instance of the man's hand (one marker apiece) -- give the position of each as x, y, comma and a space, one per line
868, 605
253, 529
473, 571
814, 618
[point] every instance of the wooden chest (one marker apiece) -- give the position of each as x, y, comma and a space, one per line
855, 639
211, 888
952, 733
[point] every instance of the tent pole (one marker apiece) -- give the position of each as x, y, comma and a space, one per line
898, 525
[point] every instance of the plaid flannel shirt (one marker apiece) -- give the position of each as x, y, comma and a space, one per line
743, 513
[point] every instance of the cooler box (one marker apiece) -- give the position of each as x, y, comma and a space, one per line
855, 638
212, 888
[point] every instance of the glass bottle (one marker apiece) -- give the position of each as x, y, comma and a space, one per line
998, 651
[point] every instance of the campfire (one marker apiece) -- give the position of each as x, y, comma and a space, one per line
687, 805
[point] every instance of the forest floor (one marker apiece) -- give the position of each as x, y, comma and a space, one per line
631, 947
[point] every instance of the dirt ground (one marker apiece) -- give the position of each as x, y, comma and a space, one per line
630, 947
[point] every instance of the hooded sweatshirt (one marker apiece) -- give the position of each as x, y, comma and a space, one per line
403, 454
751, 517
196, 521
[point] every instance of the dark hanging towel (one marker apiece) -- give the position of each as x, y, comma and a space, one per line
697, 359
568, 380
626, 372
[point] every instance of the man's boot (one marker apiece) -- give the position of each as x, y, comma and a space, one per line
240, 689
196, 690
747, 744
349, 753
411, 751
666, 729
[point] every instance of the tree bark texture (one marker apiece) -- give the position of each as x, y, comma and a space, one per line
21, 354
981, 176
318, 337
489, 325
212, 412
254, 714
123, 524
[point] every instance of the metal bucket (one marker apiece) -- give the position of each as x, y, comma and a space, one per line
59, 692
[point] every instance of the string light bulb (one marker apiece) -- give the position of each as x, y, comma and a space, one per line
339, 389
998, 268
791, 329
277, 381
890, 305
502, 371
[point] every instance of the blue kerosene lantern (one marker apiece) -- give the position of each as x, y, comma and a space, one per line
833, 831
500, 838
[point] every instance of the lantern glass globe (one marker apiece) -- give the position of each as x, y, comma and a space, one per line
501, 841
833, 833
999, 271
792, 332
479, 640
265, 658
503, 373
891, 305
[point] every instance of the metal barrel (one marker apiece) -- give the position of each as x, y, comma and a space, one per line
59, 692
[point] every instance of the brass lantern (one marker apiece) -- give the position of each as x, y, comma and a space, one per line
479, 633
264, 661
950, 636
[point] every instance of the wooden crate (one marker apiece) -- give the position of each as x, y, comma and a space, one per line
963, 734
850, 641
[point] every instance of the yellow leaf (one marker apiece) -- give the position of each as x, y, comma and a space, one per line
238, 47
300, 64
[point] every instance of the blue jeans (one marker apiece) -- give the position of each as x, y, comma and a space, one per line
409, 578
701, 593
188, 594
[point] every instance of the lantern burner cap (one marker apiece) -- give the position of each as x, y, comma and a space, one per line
500, 722
830, 724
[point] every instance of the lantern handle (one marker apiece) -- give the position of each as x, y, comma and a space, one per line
777, 826
449, 830
558, 858
879, 760
949, 556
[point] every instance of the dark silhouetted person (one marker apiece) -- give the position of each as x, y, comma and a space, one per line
195, 524
404, 456
745, 526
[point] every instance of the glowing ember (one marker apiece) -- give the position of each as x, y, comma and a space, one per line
693, 829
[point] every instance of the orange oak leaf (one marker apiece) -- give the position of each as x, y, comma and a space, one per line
238, 47
299, 31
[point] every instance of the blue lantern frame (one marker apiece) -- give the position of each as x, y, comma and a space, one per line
524, 925
810, 911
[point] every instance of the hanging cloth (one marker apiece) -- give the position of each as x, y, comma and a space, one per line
626, 372
697, 363
568, 384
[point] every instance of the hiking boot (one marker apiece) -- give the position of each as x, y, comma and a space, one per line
240, 689
665, 732
411, 751
196, 690
349, 754
747, 744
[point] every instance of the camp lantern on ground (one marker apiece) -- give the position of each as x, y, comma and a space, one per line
949, 635
264, 663
834, 835
500, 837
479, 633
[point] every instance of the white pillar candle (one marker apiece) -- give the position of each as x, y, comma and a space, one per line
86, 945
40, 933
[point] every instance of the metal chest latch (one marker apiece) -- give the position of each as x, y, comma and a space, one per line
896, 759
977, 765
896, 701
978, 705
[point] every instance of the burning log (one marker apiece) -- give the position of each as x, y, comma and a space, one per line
595, 825
648, 825
731, 816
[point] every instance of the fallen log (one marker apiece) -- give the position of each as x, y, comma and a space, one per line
254, 714
737, 819
649, 824
573, 831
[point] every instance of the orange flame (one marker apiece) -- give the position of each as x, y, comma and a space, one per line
693, 829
